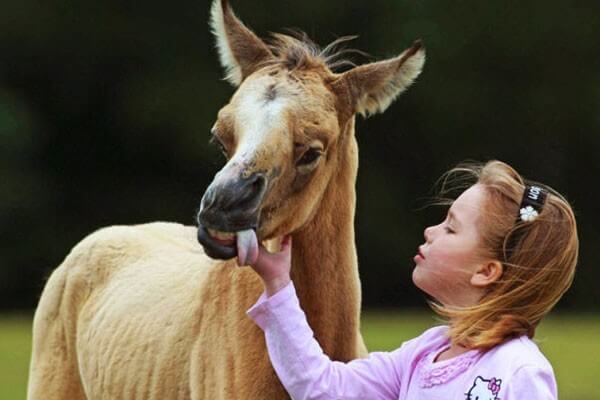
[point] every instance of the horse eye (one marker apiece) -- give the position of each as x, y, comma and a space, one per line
309, 157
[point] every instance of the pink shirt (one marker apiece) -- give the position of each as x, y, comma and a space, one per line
514, 370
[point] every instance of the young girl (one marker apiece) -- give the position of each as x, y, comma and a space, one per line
498, 263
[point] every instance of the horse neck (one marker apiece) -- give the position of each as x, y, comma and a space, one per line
324, 266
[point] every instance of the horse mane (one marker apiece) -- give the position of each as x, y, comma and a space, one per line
297, 51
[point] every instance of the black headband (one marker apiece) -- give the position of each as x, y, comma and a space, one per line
532, 203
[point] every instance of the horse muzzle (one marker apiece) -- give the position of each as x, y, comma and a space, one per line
228, 208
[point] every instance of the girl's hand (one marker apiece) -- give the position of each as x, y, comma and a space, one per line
274, 268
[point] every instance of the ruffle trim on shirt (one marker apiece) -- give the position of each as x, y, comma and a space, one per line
433, 374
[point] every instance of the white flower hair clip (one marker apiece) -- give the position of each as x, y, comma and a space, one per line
532, 203
528, 214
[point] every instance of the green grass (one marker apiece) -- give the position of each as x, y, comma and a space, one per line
15, 349
571, 343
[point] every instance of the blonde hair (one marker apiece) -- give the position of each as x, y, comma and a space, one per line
538, 258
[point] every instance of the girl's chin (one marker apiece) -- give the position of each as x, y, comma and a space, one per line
417, 277
420, 280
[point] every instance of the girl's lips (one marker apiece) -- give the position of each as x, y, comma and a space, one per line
419, 257
420, 253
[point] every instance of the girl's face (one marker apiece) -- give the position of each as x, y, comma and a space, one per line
450, 256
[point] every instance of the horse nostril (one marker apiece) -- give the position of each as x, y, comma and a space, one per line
241, 195
251, 191
259, 183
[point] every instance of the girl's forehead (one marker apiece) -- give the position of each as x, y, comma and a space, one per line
469, 205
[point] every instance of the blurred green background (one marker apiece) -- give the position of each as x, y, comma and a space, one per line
106, 106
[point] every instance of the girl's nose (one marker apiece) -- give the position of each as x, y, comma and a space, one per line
428, 234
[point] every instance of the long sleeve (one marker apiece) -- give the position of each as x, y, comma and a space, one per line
530, 382
304, 370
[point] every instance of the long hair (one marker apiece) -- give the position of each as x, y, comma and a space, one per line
538, 258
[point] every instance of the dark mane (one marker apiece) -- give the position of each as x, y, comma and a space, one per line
298, 51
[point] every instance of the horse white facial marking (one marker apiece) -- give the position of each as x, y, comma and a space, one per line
260, 117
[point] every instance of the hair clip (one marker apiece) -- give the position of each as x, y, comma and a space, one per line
532, 203
528, 214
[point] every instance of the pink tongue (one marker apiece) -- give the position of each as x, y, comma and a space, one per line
247, 247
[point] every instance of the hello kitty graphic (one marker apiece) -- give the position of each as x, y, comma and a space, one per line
484, 389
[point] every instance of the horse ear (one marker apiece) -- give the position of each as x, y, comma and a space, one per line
373, 87
240, 50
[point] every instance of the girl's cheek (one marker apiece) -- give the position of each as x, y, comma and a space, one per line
451, 260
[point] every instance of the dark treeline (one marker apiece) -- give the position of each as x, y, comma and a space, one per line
106, 107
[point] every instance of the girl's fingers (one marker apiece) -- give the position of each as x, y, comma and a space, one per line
286, 243
265, 256
262, 251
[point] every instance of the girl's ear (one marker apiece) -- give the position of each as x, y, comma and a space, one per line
487, 273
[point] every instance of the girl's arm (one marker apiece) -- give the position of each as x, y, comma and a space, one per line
304, 370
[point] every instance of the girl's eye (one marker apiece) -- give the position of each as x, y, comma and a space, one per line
309, 157
449, 230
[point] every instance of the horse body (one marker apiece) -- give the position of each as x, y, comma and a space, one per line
142, 312
108, 311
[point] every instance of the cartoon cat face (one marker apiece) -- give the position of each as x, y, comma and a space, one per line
484, 389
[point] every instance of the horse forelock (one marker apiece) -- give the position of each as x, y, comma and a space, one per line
297, 51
